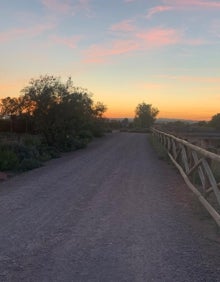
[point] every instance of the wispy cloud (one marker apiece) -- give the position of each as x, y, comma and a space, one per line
201, 3
21, 32
138, 41
169, 5
193, 3
158, 9
70, 42
124, 26
57, 5
99, 53
67, 6
159, 37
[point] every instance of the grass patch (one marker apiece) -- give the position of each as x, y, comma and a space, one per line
159, 148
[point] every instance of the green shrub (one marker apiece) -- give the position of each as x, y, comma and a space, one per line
85, 134
31, 140
80, 143
20, 150
27, 164
53, 152
8, 160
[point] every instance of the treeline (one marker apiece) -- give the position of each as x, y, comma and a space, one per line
213, 125
48, 117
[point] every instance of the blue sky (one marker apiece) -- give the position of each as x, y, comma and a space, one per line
165, 53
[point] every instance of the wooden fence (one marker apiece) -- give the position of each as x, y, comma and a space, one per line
199, 168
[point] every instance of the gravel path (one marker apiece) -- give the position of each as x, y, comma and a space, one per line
111, 212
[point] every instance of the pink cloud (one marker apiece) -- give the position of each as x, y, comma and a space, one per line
191, 3
84, 5
17, 33
70, 42
158, 9
57, 5
67, 6
160, 37
99, 53
138, 41
126, 26
186, 4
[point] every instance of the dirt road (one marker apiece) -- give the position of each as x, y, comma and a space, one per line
111, 212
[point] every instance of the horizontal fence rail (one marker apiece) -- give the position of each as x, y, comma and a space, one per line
199, 168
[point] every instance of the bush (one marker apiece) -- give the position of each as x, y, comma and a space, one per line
31, 140
20, 150
47, 152
80, 143
28, 153
8, 160
27, 164
85, 134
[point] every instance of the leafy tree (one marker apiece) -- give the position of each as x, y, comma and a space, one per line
60, 112
10, 107
145, 115
215, 121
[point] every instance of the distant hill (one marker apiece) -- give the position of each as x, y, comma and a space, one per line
159, 120
165, 120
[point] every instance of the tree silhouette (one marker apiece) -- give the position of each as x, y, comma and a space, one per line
215, 121
145, 115
60, 112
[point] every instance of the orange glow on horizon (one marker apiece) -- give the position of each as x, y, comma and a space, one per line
169, 106
183, 114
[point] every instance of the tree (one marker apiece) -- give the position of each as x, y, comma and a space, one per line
11, 108
60, 111
125, 123
215, 121
145, 115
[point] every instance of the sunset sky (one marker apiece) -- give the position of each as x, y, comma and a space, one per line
165, 53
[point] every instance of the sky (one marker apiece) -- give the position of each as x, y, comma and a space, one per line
162, 52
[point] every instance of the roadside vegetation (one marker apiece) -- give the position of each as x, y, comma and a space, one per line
159, 148
178, 126
48, 117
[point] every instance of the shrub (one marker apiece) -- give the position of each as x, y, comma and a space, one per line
85, 134
80, 143
8, 160
27, 164
31, 140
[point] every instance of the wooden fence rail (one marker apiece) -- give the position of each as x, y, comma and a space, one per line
196, 165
